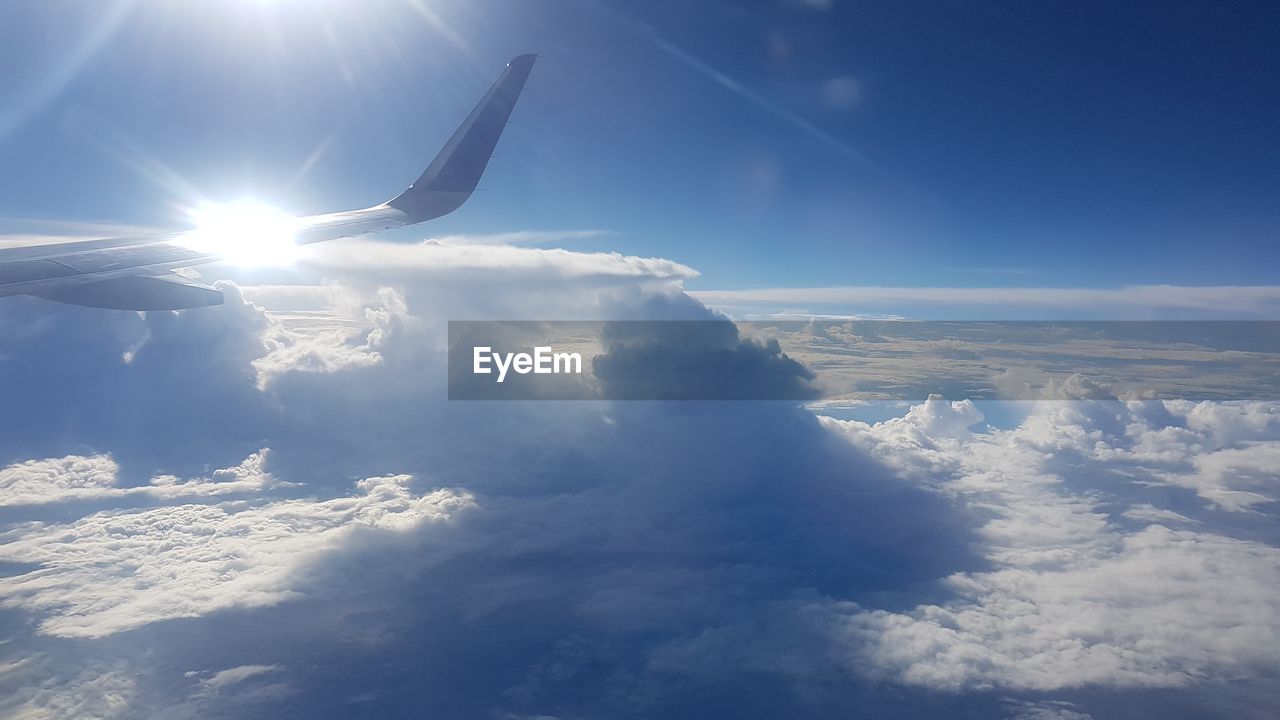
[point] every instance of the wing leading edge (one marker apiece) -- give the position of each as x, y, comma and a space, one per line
135, 273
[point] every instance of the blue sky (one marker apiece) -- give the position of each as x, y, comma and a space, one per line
789, 144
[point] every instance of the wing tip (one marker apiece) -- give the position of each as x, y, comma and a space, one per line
525, 60
452, 176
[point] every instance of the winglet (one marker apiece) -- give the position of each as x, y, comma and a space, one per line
453, 175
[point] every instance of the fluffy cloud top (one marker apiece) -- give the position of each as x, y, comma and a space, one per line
1076, 597
112, 571
56, 480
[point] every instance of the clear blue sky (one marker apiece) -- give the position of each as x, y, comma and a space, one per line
781, 143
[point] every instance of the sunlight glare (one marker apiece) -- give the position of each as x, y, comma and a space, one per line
245, 232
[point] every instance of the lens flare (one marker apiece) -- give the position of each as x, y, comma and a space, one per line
245, 232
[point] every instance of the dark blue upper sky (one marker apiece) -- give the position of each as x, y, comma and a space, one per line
783, 143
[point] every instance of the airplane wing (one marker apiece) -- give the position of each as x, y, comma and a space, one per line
136, 273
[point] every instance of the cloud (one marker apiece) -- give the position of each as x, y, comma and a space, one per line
1250, 301
23, 232
356, 256
1128, 617
98, 692
594, 559
347, 333
54, 479
696, 361
1150, 514
1226, 453
235, 675
1074, 598
1236, 478
585, 555
117, 570
1045, 710
519, 237
57, 480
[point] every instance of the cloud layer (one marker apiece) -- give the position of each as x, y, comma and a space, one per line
1090, 585
394, 551
1130, 302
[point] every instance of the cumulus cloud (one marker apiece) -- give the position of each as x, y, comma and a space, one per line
1225, 452
594, 559
1132, 617
117, 570
347, 332
98, 692
1074, 597
586, 556
56, 480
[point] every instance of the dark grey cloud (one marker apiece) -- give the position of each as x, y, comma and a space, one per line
698, 360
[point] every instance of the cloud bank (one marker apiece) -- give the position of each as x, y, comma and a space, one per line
1130, 302
394, 551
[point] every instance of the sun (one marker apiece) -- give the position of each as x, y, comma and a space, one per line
244, 232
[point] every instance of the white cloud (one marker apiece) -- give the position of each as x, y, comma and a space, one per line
1161, 608
234, 675
98, 693
75, 477
56, 479
520, 237
347, 332
1235, 478
356, 256
1045, 710
117, 570
1148, 513
22, 232
1228, 453
1074, 599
